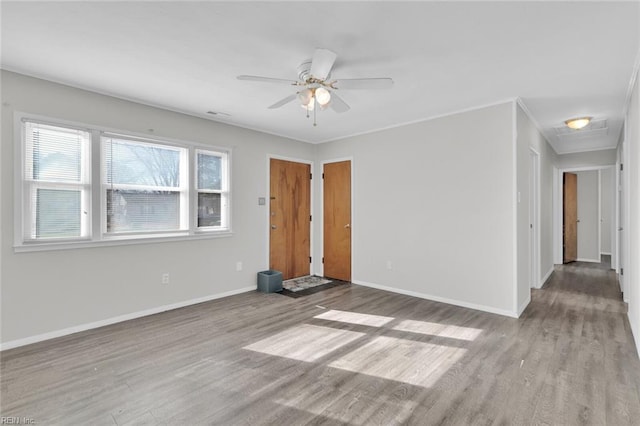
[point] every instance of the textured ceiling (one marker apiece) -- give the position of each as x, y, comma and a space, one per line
562, 59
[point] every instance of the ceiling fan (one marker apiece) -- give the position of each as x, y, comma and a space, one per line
315, 86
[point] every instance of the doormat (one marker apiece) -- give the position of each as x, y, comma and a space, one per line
303, 283
304, 286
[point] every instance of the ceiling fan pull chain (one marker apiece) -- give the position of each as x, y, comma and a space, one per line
314, 113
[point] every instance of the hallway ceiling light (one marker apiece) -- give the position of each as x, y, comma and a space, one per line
578, 123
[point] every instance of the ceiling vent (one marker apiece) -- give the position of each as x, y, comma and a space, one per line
594, 129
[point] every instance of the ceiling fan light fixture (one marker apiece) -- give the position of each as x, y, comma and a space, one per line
578, 123
305, 96
323, 96
310, 106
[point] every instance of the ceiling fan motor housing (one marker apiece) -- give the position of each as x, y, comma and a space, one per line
304, 71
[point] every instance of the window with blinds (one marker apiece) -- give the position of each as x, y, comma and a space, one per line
145, 186
211, 186
142, 188
57, 180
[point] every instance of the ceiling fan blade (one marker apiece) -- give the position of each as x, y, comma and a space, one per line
363, 83
337, 104
321, 63
267, 79
283, 101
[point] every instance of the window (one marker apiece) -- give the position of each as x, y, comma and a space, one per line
56, 183
145, 186
211, 187
141, 188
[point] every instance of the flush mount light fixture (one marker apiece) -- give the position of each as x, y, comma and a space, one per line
578, 123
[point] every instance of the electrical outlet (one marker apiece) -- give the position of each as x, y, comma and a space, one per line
165, 278
238, 266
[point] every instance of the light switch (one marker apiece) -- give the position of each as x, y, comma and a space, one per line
262, 201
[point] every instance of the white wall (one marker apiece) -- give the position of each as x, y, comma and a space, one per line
435, 199
530, 137
604, 157
632, 262
606, 210
588, 207
44, 292
524, 267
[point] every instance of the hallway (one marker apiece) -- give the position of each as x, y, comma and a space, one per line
593, 371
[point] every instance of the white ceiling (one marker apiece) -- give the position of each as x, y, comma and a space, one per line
562, 59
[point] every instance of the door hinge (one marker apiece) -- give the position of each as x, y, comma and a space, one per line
309, 259
621, 271
323, 176
310, 175
310, 218
323, 260
621, 167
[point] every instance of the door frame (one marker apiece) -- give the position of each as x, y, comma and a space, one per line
623, 207
558, 208
354, 230
534, 198
267, 213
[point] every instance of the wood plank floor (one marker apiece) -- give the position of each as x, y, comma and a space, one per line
347, 355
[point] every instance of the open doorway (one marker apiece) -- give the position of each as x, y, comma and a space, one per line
587, 211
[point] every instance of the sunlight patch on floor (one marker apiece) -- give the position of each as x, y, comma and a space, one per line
441, 330
355, 318
408, 361
305, 342
350, 409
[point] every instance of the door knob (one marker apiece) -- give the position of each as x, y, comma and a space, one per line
347, 225
273, 227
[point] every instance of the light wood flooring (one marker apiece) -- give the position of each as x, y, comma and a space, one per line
347, 355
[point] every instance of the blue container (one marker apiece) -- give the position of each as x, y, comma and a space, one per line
270, 281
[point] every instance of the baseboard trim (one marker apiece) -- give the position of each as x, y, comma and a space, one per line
96, 324
546, 277
634, 333
588, 260
524, 304
462, 304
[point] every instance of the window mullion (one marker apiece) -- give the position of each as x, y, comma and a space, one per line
96, 214
192, 193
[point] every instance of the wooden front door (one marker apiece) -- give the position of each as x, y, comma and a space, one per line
570, 217
290, 218
337, 220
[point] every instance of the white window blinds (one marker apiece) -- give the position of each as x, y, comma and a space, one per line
57, 182
145, 186
211, 183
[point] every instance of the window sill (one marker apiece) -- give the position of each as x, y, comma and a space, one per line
67, 245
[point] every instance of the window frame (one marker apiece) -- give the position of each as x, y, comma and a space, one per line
182, 189
224, 190
96, 192
29, 185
